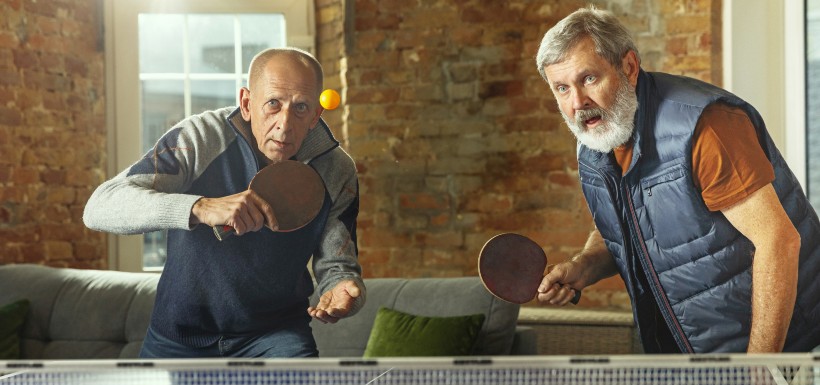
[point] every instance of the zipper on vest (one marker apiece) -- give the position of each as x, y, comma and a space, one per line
655, 283
610, 190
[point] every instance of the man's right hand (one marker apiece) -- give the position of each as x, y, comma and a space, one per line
560, 283
245, 212
591, 265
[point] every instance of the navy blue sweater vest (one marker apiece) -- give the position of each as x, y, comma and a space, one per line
671, 251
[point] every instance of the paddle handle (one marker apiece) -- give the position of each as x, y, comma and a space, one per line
576, 298
222, 232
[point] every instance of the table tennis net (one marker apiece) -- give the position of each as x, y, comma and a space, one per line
780, 369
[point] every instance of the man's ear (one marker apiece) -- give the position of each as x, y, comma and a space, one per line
631, 67
315, 120
245, 103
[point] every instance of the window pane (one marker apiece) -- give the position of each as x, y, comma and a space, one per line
813, 99
212, 94
160, 43
154, 253
211, 43
260, 32
163, 105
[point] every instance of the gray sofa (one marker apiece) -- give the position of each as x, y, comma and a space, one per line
86, 314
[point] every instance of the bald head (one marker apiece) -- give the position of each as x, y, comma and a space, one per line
304, 58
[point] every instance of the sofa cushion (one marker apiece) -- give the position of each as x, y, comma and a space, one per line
12, 316
78, 313
430, 297
398, 334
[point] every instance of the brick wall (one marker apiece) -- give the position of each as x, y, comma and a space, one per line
330, 39
52, 131
457, 137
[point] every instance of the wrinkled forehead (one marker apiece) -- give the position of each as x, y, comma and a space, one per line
287, 72
582, 57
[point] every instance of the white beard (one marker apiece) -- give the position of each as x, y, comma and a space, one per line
616, 125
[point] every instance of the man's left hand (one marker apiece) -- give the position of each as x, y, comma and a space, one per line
336, 303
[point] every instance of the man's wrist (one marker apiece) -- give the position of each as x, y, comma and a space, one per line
193, 219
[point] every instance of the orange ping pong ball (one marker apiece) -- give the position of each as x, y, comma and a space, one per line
329, 99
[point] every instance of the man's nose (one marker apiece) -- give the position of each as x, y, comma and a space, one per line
580, 100
285, 119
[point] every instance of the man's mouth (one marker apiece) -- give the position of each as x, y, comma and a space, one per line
279, 144
591, 121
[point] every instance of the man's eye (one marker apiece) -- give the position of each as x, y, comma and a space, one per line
589, 79
301, 107
561, 89
272, 103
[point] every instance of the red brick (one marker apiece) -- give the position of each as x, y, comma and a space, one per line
373, 95
47, 26
26, 59
32, 252
52, 63
57, 250
49, 176
5, 216
10, 116
29, 98
424, 201
86, 251
453, 239
489, 12
25, 175
41, 8
13, 4
440, 220
501, 89
687, 24
494, 204
677, 45
546, 162
61, 195
8, 40
379, 237
563, 179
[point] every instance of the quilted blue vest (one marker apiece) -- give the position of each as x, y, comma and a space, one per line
671, 251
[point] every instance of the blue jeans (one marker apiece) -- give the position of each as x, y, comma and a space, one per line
292, 338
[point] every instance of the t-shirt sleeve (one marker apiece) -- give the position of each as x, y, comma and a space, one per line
728, 162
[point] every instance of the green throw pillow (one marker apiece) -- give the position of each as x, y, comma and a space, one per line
397, 334
12, 317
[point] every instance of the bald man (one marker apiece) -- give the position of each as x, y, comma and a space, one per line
246, 296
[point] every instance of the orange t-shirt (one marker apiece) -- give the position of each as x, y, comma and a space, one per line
728, 163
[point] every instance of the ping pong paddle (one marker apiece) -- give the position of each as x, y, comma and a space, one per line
511, 267
293, 189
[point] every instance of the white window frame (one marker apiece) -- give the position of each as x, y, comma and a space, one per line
123, 83
764, 63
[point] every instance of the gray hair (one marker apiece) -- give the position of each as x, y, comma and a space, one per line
612, 40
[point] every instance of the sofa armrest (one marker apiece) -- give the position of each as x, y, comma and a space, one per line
525, 342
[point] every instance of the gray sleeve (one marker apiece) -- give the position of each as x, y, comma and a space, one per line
125, 205
336, 258
150, 194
